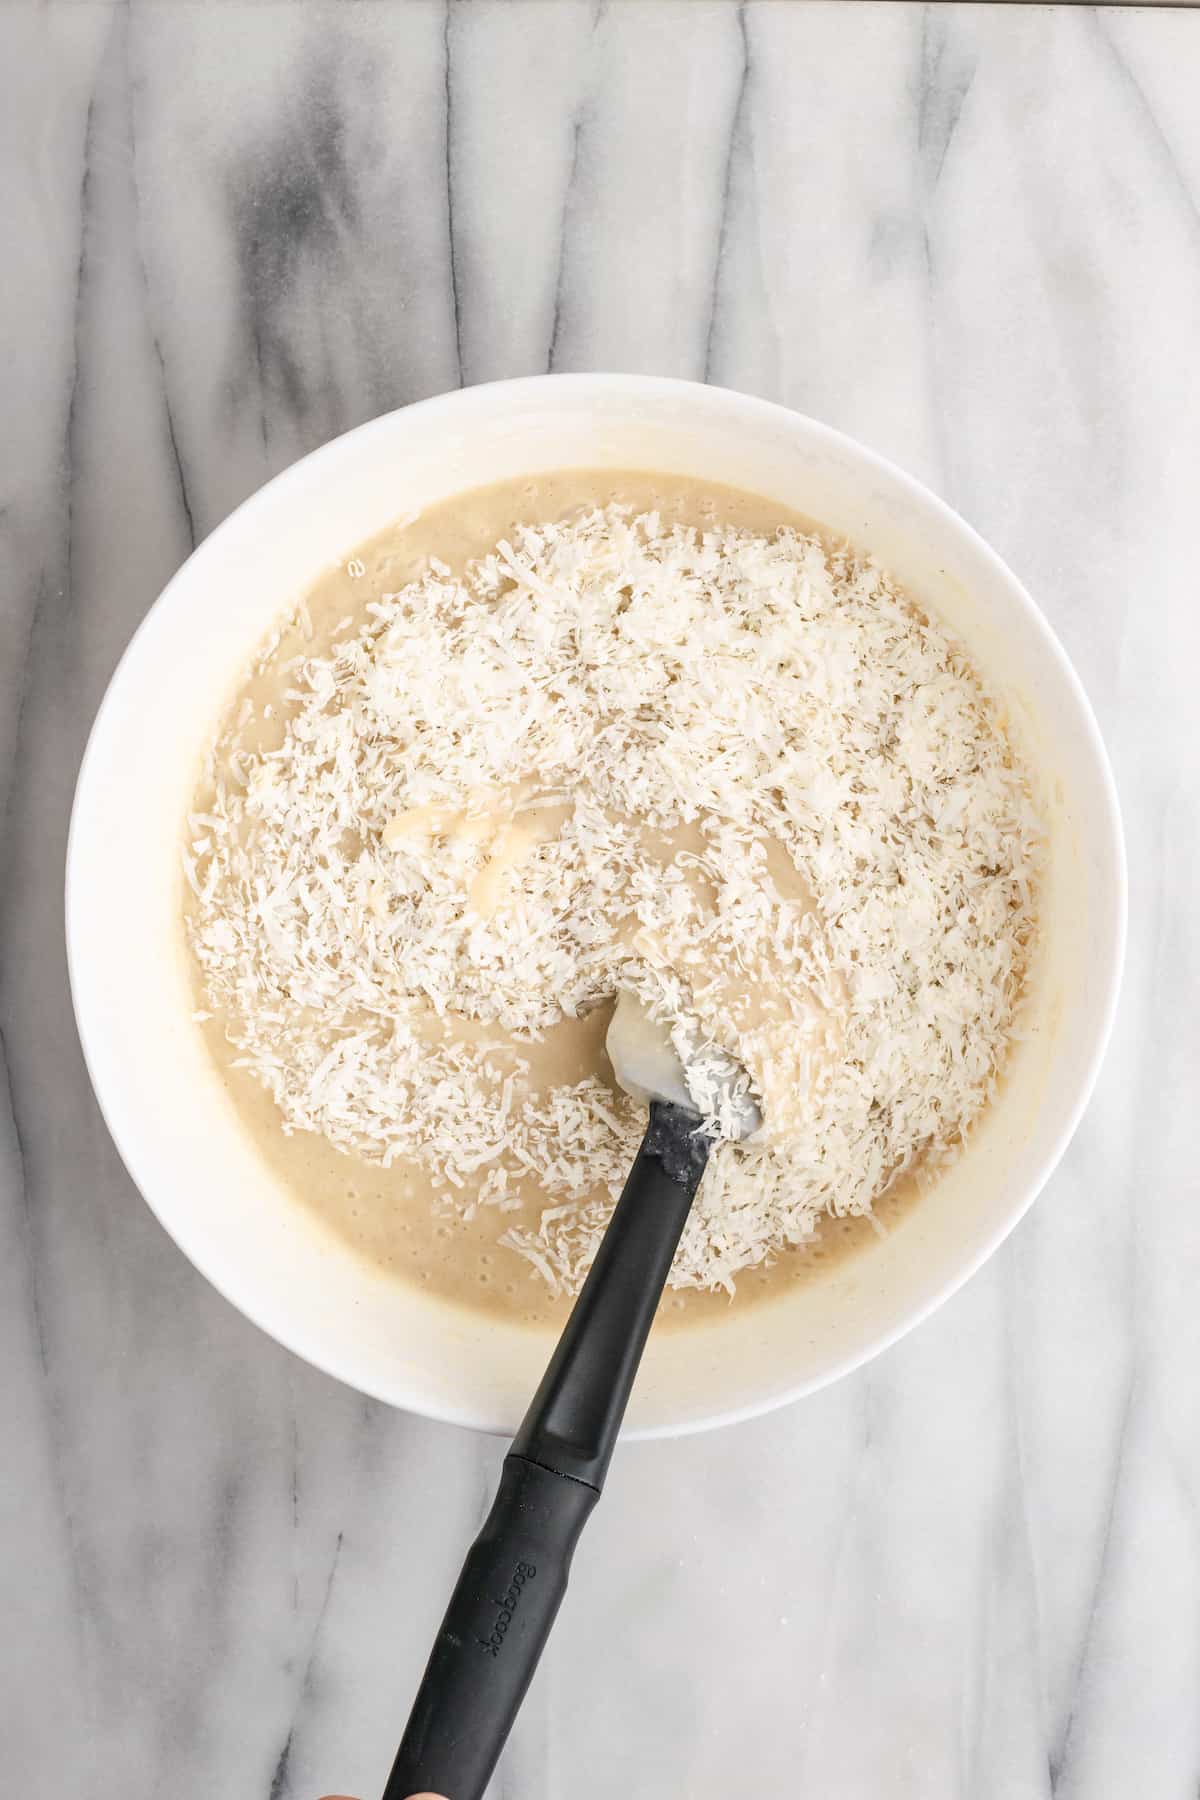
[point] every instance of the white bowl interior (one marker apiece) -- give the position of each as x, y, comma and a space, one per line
167, 1111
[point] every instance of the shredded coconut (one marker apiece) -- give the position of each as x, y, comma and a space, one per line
740, 775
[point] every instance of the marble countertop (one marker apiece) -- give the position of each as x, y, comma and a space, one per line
971, 237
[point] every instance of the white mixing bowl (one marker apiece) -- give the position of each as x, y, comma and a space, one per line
164, 1105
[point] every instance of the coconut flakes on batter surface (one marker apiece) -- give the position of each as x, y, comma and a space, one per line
740, 775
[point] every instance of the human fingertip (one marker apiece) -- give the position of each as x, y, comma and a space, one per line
411, 1797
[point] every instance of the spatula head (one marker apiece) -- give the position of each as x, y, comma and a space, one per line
702, 1080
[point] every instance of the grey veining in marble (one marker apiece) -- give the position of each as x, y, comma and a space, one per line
970, 236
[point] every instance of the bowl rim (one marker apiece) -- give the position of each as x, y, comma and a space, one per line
687, 392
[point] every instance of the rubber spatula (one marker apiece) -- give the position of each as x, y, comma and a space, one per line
515, 1574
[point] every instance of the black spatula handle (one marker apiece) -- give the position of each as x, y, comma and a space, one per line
515, 1574
499, 1617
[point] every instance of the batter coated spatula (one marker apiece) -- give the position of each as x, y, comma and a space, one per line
515, 1574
